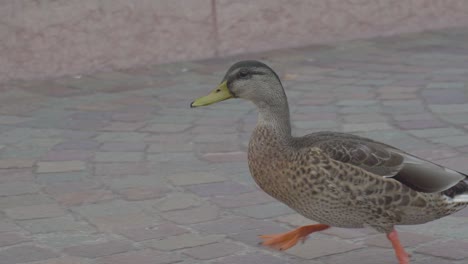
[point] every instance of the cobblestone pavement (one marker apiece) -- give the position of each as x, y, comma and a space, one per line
116, 168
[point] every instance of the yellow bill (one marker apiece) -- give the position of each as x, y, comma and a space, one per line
219, 94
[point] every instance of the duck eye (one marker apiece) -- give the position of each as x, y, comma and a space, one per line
243, 73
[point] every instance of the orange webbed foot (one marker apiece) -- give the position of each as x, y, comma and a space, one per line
287, 240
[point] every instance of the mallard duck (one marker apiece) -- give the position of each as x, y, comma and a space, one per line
335, 179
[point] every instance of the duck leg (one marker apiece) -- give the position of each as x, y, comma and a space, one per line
287, 240
400, 252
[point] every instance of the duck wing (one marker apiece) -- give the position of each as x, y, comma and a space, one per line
387, 161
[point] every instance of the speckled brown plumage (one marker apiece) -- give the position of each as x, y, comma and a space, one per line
336, 179
299, 173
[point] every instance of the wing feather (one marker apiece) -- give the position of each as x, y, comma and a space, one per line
386, 161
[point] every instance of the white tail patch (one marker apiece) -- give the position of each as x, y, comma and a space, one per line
463, 198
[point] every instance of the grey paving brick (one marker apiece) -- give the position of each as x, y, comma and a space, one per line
460, 118
60, 166
367, 256
171, 157
122, 168
436, 132
57, 177
121, 136
17, 188
146, 256
252, 258
25, 253
166, 128
213, 251
8, 226
34, 211
314, 248
454, 141
12, 238
118, 156
242, 200
198, 178
262, 211
453, 249
420, 124
24, 200
170, 147
99, 249
237, 225
66, 155
123, 146
66, 260
220, 188
177, 201
449, 108
110, 208
82, 144
132, 181
193, 215
445, 85
183, 241
16, 163
366, 127
15, 175
62, 240
159, 231
58, 224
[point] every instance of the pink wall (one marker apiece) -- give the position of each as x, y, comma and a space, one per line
45, 38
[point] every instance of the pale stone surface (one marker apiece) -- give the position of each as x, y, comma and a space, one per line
60, 166
183, 241
195, 178
315, 248
254, 26
162, 31
178, 201
143, 32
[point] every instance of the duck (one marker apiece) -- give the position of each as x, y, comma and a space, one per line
335, 179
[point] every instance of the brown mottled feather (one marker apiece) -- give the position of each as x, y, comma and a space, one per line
334, 192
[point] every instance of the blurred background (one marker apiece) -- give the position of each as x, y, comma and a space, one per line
47, 38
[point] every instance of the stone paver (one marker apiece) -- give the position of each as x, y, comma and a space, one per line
9, 239
252, 258
153, 232
213, 251
193, 215
34, 211
183, 241
453, 249
178, 201
315, 248
100, 249
57, 224
17, 188
60, 166
146, 256
25, 253
104, 169
16, 163
262, 211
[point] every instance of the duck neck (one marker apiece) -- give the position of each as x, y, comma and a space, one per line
275, 118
